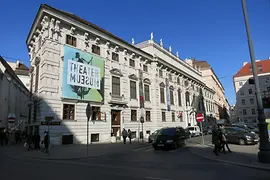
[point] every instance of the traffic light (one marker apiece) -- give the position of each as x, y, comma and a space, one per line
251, 81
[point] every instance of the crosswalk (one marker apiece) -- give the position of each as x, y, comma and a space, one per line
151, 149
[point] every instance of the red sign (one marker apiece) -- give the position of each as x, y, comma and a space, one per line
199, 117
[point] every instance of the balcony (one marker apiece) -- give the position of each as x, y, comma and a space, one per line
117, 100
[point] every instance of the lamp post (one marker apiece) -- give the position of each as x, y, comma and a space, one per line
264, 153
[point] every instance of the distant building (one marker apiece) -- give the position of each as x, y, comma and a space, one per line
22, 71
219, 109
13, 99
246, 104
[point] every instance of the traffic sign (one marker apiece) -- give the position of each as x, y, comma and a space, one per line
199, 117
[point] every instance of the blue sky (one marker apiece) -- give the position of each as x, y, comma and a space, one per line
208, 30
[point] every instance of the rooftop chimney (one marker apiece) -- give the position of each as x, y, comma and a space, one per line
17, 64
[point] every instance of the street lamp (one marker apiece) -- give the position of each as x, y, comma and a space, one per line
264, 153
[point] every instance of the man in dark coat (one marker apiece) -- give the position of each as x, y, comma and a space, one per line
215, 139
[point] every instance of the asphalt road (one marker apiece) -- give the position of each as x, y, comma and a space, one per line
143, 163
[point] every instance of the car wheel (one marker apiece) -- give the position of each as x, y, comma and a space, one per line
241, 141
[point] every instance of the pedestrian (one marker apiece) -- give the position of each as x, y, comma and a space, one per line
224, 142
215, 139
46, 142
129, 136
124, 134
29, 142
37, 141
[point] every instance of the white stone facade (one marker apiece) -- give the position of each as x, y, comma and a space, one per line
46, 42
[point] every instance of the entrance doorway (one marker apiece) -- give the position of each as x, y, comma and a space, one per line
116, 123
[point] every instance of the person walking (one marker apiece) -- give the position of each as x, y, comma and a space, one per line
124, 134
224, 142
215, 139
29, 142
46, 142
129, 136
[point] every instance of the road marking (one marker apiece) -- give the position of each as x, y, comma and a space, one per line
157, 178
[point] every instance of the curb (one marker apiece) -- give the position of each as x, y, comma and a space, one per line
230, 162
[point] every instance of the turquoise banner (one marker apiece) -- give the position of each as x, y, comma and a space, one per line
83, 76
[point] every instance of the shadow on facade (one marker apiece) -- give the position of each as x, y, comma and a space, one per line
246, 101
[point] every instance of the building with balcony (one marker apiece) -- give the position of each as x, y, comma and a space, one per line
13, 99
74, 62
246, 103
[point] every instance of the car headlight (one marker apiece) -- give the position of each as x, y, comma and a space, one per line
169, 141
248, 137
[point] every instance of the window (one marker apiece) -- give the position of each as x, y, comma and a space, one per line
251, 101
179, 97
250, 91
243, 102
95, 49
240, 83
268, 89
94, 137
170, 77
160, 72
96, 114
37, 78
145, 68
162, 95
148, 116
253, 112
187, 99
70, 40
244, 112
163, 116
146, 92
115, 56
242, 92
116, 85
133, 115
68, 112
133, 92
171, 97
173, 117
131, 62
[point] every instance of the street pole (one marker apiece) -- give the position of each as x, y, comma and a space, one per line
202, 133
88, 115
264, 153
87, 137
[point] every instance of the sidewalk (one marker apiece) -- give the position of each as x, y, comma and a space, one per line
242, 155
65, 152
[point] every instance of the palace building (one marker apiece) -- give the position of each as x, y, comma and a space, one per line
141, 87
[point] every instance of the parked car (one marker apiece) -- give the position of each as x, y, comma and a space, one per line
194, 130
240, 136
247, 127
152, 136
170, 138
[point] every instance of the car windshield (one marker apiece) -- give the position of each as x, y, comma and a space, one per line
169, 131
190, 128
156, 131
240, 129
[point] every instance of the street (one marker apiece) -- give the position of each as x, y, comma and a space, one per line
138, 163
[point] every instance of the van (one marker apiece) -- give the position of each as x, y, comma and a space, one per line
194, 130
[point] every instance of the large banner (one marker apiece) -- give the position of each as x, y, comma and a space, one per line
83, 76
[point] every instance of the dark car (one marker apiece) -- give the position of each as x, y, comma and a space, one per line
248, 128
152, 136
207, 130
170, 138
240, 136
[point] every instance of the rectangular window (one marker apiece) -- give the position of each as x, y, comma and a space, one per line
116, 85
170, 77
96, 114
115, 56
70, 40
68, 112
148, 116
146, 92
145, 68
37, 78
244, 112
178, 81
131, 62
253, 112
173, 117
95, 49
250, 91
133, 92
94, 137
243, 102
251, 101
162, 95
163, 116
160, 72
133, 115
171, 97
179, 98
